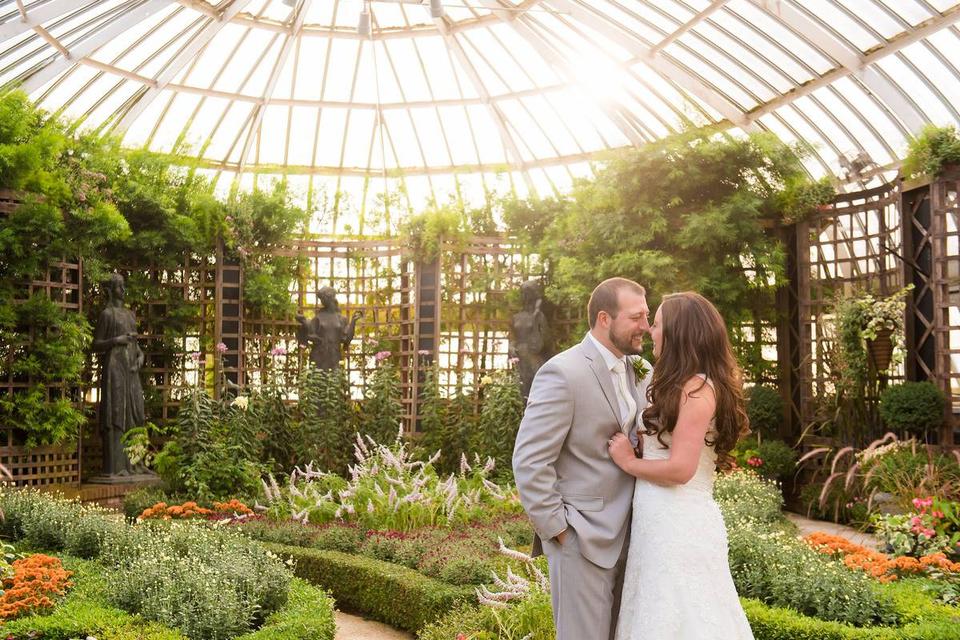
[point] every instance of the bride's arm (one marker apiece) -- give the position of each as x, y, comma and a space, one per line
697, 406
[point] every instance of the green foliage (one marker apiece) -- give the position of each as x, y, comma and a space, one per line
857, 320
695, 207
909, 470
214, 451
913, 407
135, 502
448, 426
744, 495
765, 410
424, 233
530, 618
329, 419
772, 459
500, 416
86, 612
387, 592
933, 149
208, 584
382, 411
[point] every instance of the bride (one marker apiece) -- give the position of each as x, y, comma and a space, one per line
677, 584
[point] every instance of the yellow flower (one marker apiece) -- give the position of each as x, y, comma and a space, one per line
485, 380
241, 402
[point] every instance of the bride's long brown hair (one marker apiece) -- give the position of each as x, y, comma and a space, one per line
695, 341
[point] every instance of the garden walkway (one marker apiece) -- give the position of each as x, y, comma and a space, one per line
355, 628
807, 526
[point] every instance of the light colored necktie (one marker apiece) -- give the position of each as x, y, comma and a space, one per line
621, 377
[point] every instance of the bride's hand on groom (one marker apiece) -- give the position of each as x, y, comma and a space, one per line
621, 450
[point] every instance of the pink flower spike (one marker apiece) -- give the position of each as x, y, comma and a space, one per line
221, 348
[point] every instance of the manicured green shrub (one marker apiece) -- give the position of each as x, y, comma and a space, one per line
764, 409
383, 591
912, 407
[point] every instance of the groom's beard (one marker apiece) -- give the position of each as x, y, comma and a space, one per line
627, 343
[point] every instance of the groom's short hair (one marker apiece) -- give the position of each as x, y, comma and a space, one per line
605, 297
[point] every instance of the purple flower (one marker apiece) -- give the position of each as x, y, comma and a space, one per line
221, 348
196, 356
381, 356
278, 351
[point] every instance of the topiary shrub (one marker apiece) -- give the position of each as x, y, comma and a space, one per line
912, 407
765, 409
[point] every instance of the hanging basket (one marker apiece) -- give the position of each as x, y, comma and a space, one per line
881, 350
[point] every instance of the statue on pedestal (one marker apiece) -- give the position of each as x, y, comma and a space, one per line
529, 335
327, 332
121, 394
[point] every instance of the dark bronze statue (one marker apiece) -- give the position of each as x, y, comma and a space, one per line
121, 395
327, 332
529, 335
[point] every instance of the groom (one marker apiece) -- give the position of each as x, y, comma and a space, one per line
578, 500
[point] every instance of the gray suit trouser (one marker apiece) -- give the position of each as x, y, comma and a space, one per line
585, 597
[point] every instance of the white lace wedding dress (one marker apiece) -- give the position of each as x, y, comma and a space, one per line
677, 584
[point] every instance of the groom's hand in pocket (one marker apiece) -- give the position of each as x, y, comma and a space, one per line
560, 537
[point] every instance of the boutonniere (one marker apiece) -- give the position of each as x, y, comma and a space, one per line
640, 368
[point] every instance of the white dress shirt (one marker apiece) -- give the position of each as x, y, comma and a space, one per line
618, 375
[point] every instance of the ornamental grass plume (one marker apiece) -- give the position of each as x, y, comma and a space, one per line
36, 580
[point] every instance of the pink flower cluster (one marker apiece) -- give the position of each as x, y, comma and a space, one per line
755, 461
221, 348
919, 523
278, 351
381, 356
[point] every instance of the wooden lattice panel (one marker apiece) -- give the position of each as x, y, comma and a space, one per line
62, 283
945, 240
853, 245
372, 276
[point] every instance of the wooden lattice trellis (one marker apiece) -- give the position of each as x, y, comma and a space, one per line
853, 245
62, 283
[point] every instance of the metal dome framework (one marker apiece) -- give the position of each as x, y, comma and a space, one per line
430, 102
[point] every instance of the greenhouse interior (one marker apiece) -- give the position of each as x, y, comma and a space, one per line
385, 318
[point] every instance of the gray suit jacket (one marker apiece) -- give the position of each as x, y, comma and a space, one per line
563, 471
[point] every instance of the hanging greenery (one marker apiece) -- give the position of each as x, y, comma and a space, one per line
690, 211
933, 149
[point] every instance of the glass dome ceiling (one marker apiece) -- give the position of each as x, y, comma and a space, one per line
431, 98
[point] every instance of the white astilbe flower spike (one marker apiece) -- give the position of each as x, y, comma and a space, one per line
266, 490
259, 508
513, 553
378, 489
491, 464
492, 488
362, 447
464, 465
370, 507
392, 498
434, 457
274, 486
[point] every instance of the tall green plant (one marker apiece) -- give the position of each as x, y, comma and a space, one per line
382, 410
328, 419
500, 418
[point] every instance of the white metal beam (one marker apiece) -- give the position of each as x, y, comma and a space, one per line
185, 56
272, 83
656, 61
921, 31
35, 17
690, 24
499, 119
90, 43
816, 34
559, 64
